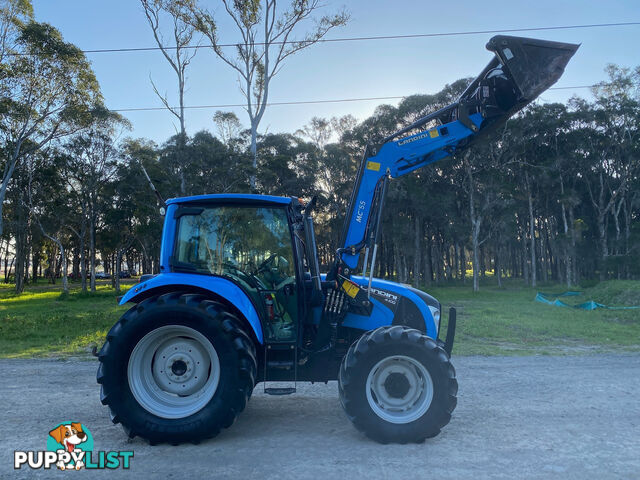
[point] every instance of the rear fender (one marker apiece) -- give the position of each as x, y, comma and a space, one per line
221, 288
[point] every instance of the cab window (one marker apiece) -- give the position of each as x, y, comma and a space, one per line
252, 246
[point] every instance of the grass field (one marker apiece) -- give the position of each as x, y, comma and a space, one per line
509, 321
38, 323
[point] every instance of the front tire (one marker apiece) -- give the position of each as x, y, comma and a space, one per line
176, 368
397, 385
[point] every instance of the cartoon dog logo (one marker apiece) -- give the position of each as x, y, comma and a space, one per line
69, 436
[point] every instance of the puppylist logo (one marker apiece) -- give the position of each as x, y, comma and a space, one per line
70, 447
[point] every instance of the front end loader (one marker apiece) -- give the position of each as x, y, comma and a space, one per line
240, 298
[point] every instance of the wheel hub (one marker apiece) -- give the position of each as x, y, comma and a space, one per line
399, 389
173, 371
397, 385
179, 367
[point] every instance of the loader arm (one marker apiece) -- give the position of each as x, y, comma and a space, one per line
521, 69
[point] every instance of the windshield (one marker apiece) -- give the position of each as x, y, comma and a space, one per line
249, 243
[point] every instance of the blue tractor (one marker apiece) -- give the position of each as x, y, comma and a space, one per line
240, 298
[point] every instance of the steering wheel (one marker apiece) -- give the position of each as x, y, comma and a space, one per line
265, 265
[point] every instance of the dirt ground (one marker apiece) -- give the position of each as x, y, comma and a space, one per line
517, 417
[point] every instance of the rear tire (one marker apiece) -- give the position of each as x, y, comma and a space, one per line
176, 368
397, 385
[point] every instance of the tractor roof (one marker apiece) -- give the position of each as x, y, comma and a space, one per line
231, 197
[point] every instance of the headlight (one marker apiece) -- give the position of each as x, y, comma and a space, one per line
436, 316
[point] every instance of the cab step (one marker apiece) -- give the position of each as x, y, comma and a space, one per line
280, 364
279, 390
277, 359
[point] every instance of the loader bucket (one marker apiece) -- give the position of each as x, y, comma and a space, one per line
534, 65
521, 70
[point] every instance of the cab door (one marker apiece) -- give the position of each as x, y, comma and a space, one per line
252, 246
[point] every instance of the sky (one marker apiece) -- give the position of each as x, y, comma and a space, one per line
375, 68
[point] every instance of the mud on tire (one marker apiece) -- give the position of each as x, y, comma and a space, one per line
377, 362
216, 328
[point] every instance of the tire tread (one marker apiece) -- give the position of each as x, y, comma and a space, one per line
190, 431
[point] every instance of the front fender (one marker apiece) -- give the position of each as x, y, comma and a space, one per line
221, 287
384, 310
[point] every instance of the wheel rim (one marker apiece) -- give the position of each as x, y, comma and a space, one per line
173, 371
399, 389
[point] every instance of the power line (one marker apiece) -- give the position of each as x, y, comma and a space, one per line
302, 102
380, 37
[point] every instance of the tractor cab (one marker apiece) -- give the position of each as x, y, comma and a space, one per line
248, 240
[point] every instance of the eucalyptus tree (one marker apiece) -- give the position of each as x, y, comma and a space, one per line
49, 204
228, 126
610, 132
48, 92
131, 187
178, 51
91, 165
290, 165
13, 16
216, 166
268, 37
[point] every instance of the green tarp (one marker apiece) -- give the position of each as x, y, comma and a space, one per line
553, 299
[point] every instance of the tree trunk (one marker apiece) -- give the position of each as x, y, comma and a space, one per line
92, 252
448, 275
572, 256
627, 234
532, 234
525, 262
428, 262
35, 263
476, 222
116, 272
567, 253
83, 256
475, 232
417, 255
63, 260
497, 269
22, 250
604, 252
7, 273
254, 156
456, 260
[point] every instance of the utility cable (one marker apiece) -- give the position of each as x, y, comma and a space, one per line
302, 102
359, 39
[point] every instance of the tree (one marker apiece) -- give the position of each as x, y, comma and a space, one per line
318, 130
178, 55
132, 188
267, 41
91, 165
48, 92
13, 16
611, 133
228, 125
47, 203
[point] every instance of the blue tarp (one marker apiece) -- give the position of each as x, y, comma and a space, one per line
552, 299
